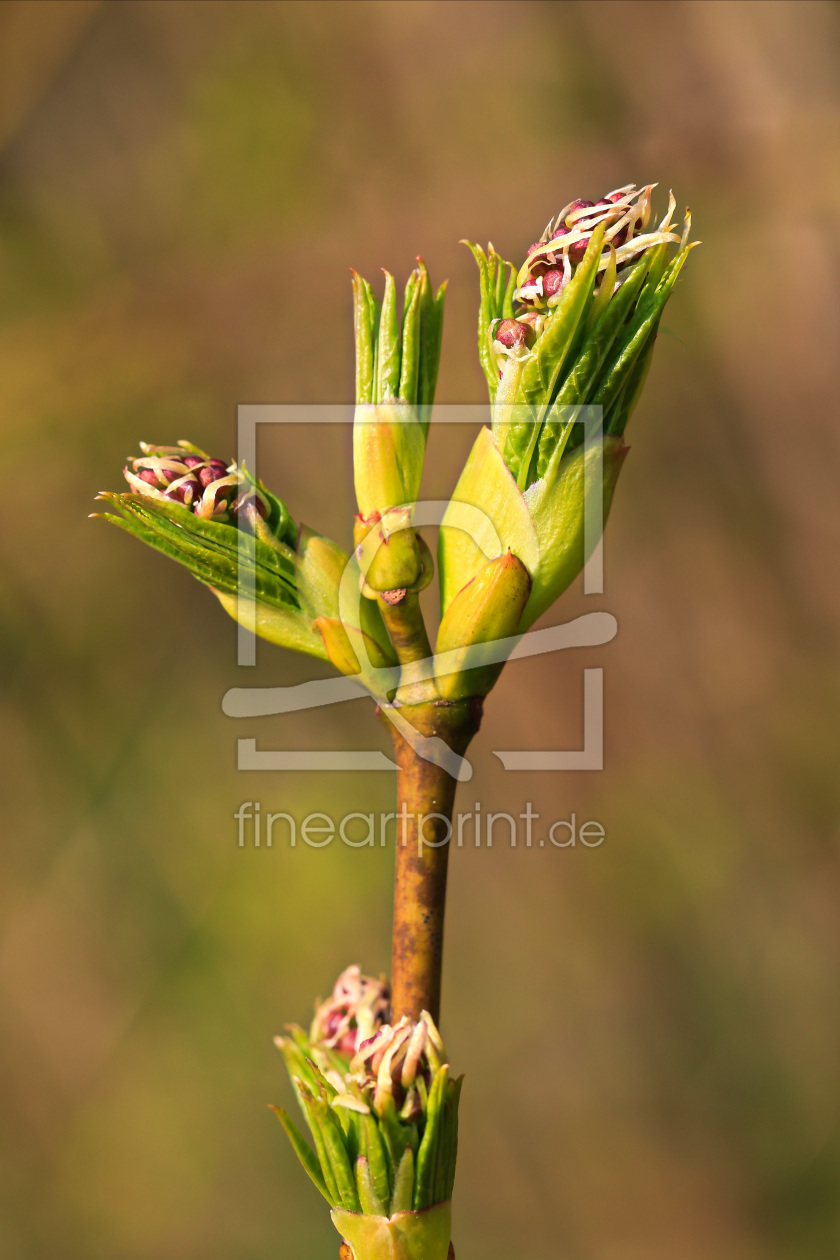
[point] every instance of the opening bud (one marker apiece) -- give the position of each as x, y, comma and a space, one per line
357, 1007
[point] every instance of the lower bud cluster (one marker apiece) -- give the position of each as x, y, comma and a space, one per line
384, 1120
356, 1009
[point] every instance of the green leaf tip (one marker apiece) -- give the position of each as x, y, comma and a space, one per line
398, 353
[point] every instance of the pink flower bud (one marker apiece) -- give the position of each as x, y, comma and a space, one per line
580, 204
553, 281
185, 491
620, 237
355, 1012
510, 332
248, 505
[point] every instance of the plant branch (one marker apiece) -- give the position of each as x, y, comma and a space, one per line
403, 619
425, 801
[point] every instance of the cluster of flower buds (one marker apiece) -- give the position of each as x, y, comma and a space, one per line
566, 343
547, 270
209, 487
396, 1066
279, 579
536, 289
566, 339
357, 1008
384, 1125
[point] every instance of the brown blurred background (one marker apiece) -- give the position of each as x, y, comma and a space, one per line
650, 1030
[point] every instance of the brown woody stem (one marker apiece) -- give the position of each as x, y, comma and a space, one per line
425, 801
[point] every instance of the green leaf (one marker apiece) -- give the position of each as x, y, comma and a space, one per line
486, 516
283, 627
603, 297
406, 1236
319, 566
623, 405
431, 341
333, 1136
305, 1153
393, 1137
389, 443
486, 358
452, 1135
388, 347
363, 322
510, 289
493, 296
551, 352
427, 1156
403, 1197
377, 1158
488, 609
556, 505
580, 383
638, 331
326, 1088
214, 543
369, 1200
220, 568
314, 1121
279, 523
411, 325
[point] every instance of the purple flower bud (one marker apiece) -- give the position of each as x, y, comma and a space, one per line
185, 491
562, 230
539, 265
580, 204
553, 281
577, 251
186, 477
248, 505
396, 1058
620, 237
355, 1012
363, 1045
510, 332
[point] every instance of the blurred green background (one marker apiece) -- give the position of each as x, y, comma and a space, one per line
650, 1030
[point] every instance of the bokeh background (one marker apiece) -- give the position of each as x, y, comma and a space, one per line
651, 1029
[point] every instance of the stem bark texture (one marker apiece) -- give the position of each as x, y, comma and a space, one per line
425, 802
